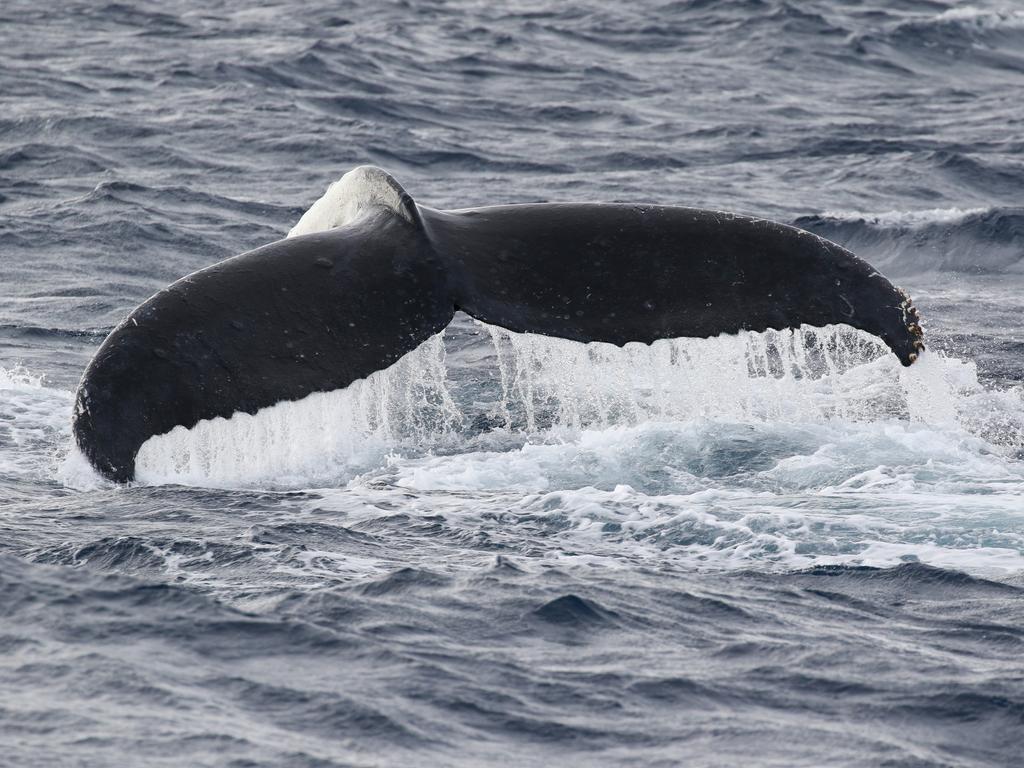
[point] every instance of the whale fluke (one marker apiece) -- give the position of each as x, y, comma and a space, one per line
367, 275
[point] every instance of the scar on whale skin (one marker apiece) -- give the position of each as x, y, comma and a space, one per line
368, 274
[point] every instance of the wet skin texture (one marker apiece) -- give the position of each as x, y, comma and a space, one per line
315, 313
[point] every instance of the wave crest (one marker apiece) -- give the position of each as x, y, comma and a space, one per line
980, 240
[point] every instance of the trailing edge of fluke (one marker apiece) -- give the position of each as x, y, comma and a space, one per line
367, 275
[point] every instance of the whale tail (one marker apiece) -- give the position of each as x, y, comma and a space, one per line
367, 275
622, 273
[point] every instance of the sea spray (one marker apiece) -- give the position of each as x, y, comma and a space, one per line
34, 415
808, 374
547, 389
322, 437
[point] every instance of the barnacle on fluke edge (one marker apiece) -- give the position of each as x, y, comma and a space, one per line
913, 319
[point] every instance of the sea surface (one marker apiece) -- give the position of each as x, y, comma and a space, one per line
774, 549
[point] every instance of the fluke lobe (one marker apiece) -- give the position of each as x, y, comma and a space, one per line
367, 275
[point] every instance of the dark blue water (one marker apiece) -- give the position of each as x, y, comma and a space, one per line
761, 569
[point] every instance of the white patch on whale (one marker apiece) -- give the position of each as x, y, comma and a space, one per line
354, 193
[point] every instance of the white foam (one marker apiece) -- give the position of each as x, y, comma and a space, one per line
985, 18
74, 471
908, 219
19, 379
34, 418
359, 190
719, 495
674, 458
933, 386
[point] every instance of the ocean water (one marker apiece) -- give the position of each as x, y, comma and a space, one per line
774, 549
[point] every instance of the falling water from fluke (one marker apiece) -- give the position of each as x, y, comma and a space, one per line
540, 387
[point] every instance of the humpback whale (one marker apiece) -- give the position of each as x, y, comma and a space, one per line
368, 274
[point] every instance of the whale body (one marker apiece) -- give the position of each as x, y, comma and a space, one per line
367, 275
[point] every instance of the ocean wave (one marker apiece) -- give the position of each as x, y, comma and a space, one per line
51, 160
954, 31
981, 240
970, 16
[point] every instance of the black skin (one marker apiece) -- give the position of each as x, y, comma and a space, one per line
621, 273
317, 312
